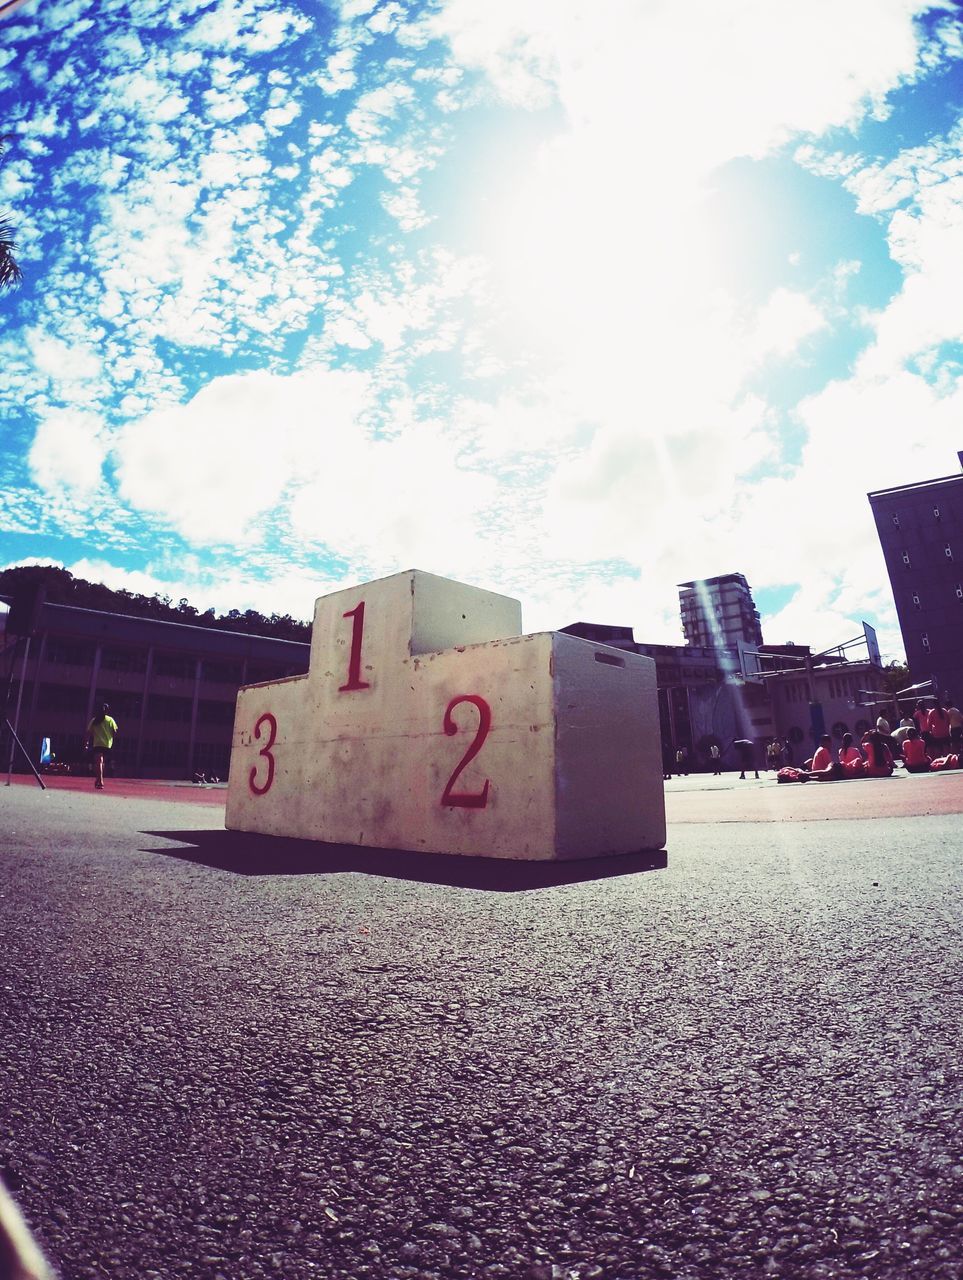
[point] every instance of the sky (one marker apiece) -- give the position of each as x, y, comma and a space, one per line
573, 300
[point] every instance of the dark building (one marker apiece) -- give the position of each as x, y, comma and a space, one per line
719, 612
920, 529
171, 687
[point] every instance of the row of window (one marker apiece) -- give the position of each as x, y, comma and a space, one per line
947, 551
836, 686
64, 651
937, 516
918, 604
126, 707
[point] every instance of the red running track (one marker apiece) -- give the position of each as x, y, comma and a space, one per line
139, 788
699, 798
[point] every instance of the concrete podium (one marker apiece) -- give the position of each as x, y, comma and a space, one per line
427, 721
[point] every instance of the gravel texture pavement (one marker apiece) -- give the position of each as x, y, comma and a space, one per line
230, 1057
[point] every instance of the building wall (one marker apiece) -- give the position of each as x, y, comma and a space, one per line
171, 688
920, 531
838, 693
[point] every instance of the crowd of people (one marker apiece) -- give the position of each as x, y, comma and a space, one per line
929, 740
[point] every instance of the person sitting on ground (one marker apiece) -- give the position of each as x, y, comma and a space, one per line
901, 732
938, 727
851, 758
882, 726
914, 753
824, 767
879, 758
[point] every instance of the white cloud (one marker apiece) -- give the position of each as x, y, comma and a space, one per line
785, 321
67, 453
214, 467
374, 109
66, 364
420, 507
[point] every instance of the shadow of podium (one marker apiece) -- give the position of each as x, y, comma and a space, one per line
250, 854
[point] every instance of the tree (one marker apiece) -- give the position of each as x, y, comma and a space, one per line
61, 587
10, 273
895, 676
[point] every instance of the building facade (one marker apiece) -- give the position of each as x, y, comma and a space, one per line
920, 529
171, 687
703, 699
719, 613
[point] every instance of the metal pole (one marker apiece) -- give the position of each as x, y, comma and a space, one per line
16, 715
26, 756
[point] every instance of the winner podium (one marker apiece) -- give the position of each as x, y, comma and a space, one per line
428, 722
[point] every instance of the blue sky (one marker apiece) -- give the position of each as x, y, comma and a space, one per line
570, 300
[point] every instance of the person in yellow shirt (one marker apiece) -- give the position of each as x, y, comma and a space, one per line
100, 739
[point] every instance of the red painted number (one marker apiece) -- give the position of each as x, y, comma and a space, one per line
462, 799
265, 751
354, 662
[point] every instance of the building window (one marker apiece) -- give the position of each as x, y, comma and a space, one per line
171, 710
211, 712
926, 641
916, 601
67, 699
959, 591
222, 672
948, 551
896, 521
68, 653
124, 660
906, 559
177, 665
936, 514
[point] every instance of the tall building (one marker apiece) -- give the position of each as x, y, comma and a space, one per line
920, 529
718, 613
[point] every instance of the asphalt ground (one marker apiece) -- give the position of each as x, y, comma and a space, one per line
231, 1057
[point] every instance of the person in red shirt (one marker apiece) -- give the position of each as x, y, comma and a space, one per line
851, 758
879, 759
920, 717
824, 767
938, 726
914, 753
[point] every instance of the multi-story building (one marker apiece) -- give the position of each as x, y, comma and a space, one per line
719, 613
171, 687
920, 530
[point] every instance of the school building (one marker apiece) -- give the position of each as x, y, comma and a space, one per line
171, 687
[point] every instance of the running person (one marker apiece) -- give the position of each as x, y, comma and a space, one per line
100, 738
